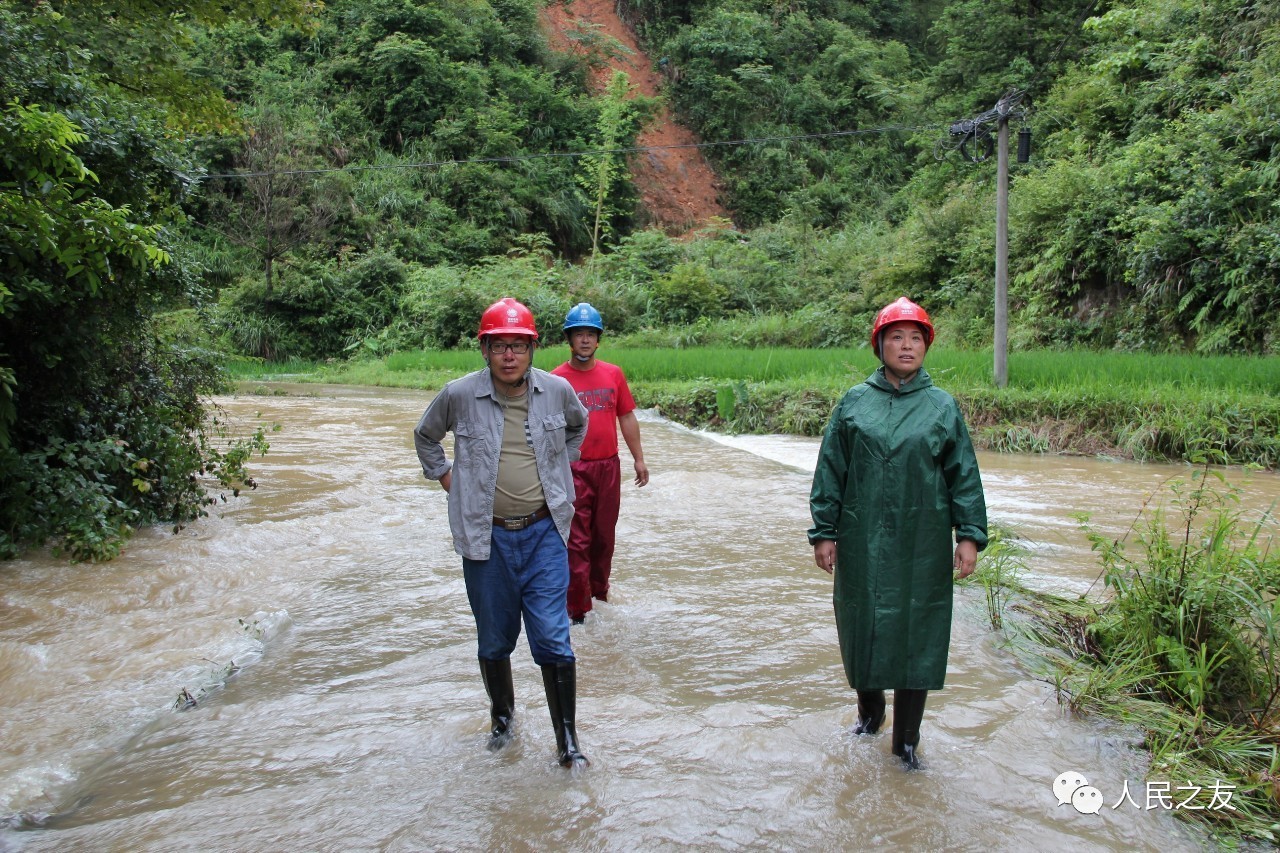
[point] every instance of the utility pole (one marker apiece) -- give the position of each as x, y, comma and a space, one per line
973, 139
1005, 107
1001, 342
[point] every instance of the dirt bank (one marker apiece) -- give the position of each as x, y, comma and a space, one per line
679, 191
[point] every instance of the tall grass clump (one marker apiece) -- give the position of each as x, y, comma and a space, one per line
999, 573
244, 367
1183, 644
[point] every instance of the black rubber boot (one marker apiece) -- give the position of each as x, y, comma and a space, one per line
908, 712
561, 682
502, 700
870, 712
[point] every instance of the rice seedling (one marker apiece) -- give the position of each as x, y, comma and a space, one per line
1147, 407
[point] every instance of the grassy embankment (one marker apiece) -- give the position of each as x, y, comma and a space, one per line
1133, 406
1179, 641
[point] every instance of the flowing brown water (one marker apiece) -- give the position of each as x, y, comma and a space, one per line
711, 698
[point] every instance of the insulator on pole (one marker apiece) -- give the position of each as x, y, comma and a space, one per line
1024, 145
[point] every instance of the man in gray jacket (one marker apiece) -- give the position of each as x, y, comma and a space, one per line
515, 431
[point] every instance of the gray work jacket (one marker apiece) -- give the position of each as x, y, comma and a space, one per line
469, 408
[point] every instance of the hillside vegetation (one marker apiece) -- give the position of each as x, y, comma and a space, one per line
1145, 219
184, 181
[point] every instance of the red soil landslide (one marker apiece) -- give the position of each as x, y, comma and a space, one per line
678, 190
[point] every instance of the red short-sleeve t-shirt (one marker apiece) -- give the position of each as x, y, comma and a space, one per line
603, 390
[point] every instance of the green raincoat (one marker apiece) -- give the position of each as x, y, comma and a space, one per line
896, 475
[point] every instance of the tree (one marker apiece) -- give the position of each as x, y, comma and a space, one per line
139, 47
103, 425
54, 226
601, 170
284, 199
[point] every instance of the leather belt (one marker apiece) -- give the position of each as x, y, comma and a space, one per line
520, 522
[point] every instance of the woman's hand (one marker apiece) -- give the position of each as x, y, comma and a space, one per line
824, 554
966, 559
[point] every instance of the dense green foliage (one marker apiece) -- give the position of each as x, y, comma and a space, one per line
102, 422
1159, 186
289, 179
1146, 218
445, 117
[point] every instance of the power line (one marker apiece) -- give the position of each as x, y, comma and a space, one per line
973, 133
570, 154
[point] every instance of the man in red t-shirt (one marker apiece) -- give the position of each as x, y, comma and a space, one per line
597, 476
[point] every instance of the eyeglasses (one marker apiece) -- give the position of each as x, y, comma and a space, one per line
517, 347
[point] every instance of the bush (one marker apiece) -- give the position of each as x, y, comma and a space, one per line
438, 310
143, 438
688, 293
1185, 646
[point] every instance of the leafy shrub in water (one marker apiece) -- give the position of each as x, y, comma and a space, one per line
58, 492
143, 440
1196, 606
1184, 647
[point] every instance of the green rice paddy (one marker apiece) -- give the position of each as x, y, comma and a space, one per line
1131, 405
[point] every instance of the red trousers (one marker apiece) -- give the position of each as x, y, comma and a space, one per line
598, 484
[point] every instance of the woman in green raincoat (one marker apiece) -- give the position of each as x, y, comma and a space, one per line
896, 476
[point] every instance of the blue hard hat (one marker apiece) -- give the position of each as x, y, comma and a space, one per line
583, 316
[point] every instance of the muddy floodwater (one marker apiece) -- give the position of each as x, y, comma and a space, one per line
317, 632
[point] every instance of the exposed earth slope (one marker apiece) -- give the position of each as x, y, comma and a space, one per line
679, 191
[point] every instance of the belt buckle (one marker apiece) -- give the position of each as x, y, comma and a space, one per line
514, 523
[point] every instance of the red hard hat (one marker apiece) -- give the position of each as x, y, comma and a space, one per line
901, 310
507, 317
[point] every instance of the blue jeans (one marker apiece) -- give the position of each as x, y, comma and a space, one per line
527, 574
